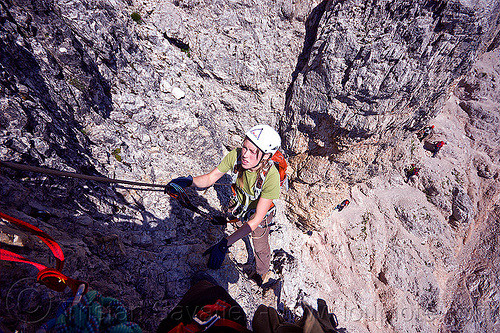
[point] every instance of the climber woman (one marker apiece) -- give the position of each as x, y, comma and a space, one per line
255, 184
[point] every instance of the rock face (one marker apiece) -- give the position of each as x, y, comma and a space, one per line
462, 207
374, 74
151, 90
380, 67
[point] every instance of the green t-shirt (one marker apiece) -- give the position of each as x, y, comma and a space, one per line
270, 188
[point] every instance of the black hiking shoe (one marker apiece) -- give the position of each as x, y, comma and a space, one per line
256, 278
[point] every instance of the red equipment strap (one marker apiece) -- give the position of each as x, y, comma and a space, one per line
52, 278
51, 243
57, 281
11, 256
207, 317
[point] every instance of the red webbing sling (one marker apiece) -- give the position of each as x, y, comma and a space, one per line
52, 278
209, 316
51, 243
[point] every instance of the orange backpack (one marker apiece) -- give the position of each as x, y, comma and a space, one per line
281, 165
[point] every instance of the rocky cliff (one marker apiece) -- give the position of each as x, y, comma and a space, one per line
151, 90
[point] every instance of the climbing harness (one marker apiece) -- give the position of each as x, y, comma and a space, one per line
179, 194
50, 277
240, 209
88, 315
53, 172
208, 316
264, 225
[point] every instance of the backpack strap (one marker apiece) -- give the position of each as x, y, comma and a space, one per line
261, 178
237, 166
240, 209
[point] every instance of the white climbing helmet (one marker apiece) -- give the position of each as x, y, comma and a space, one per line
265, 138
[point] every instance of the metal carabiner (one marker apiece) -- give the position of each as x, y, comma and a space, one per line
78, 295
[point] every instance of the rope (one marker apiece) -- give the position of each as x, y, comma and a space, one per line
93, 314
53, 172
181, 195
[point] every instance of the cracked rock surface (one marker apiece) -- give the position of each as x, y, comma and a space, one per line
151, 90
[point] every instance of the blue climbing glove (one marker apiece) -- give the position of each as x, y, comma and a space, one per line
217, 254
181, 181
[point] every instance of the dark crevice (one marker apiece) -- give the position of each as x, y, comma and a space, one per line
494, 43
311, 25
349, 66
177, 43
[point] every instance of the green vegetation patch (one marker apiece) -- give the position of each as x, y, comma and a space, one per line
77, 84
136, 17
365, 219
116, 154
186, 50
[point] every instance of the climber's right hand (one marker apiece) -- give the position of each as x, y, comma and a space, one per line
180, 181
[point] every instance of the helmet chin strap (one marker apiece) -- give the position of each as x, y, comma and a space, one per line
260, 160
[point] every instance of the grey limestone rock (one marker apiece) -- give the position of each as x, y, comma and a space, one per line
462, 207
86, 88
